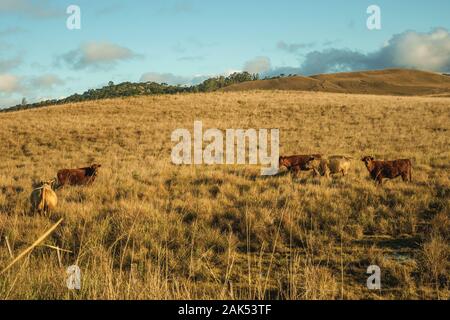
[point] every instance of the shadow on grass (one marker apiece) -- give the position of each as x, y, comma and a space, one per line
390, 243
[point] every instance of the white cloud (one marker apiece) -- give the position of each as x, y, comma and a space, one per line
425, 51
97, 54
9, 83
172, 79
257, 65
13, 87
414, 50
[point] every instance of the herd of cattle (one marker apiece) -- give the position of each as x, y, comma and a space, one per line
43, 199
325, 166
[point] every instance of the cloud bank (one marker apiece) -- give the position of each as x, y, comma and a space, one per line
425, 51
97, 55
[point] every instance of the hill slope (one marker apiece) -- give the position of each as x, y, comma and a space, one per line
388, 82
149, 229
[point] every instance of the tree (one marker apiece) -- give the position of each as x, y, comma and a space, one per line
24, 101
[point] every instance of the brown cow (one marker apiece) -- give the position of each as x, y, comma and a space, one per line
77, 177
380, 170
299, 163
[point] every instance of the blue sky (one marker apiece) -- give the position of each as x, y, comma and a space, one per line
185, 41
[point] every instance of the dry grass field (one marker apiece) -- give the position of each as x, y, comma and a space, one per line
147, 229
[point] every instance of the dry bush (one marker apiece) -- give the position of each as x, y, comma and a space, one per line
435, 257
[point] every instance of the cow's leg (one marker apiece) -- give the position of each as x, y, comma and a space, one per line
58, 185
315, 173
380, 181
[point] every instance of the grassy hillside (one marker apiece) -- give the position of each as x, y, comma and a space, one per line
401, 82
133, 89
148, 229
385, 82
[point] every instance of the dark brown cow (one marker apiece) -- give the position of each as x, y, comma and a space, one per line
77, 177
299, 163
380, 170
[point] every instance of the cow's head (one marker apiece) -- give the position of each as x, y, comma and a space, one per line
367, 160
48, 183
311, 163
283, 162
94, 169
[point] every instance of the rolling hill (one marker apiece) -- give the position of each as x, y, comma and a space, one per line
385, 82
400, 82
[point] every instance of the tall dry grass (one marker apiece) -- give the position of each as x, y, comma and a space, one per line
150, 230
